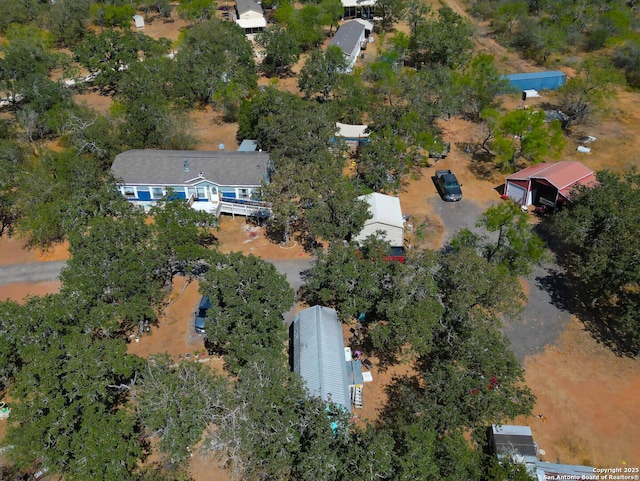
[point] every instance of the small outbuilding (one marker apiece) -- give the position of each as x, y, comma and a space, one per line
318, 355
350, 37
250, 16
547, 80
386, 216
138, 20
548, 185
514, 443
353, 134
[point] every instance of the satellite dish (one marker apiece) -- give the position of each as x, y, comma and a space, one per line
221, 146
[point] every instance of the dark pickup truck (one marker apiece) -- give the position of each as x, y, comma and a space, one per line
448, 186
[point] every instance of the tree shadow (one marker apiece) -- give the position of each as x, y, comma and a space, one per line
556, 284
404, 400
482, 165
566, 293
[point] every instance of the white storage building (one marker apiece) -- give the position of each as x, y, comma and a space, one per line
386, 216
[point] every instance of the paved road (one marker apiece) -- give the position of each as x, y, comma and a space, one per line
292, 268
456, 215
545, 316
31, 272
49, 271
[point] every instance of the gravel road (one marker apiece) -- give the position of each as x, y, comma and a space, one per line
547, 312
31, 272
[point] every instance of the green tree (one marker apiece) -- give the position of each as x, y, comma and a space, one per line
267, 102
110, 53
18, 12
382, 162
410, 313
68, 20
176, 403
248, 298
626, 57
322, 71
67, 408
336, 214
480, 84
92, 134
196, 10
115, 267
306, 27
281, 50
215, 65
299, 131
26, 61
351, 279
521, 133
273, 430
467, 376
391, 12
332, 12
12, 159
588, 93
503, 470
445, 41
516, 246
597, 234
182, 236
61, 194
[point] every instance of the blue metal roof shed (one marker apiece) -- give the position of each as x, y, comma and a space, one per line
548, 80
318, 354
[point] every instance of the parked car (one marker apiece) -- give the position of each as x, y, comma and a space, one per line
201, 315
448, 186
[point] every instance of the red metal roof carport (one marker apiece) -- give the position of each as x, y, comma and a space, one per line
562, 176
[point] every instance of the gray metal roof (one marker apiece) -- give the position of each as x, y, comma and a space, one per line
510, 440
171, 167
348, 36
318, 354
244, 6
248, 145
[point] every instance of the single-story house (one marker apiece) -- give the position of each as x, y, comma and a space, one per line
318, 355
350, 37
359, 8
386, 216
547, 184
250, 16
216, 182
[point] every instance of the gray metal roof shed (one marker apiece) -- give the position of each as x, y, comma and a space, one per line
318, 354
348, 36
510, 441
171, 167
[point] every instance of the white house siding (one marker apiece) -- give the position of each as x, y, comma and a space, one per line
386, 216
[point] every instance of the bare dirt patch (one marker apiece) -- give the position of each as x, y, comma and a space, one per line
21, 291
236, 235
589, 398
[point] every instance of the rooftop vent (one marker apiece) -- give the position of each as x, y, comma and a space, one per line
186, 165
